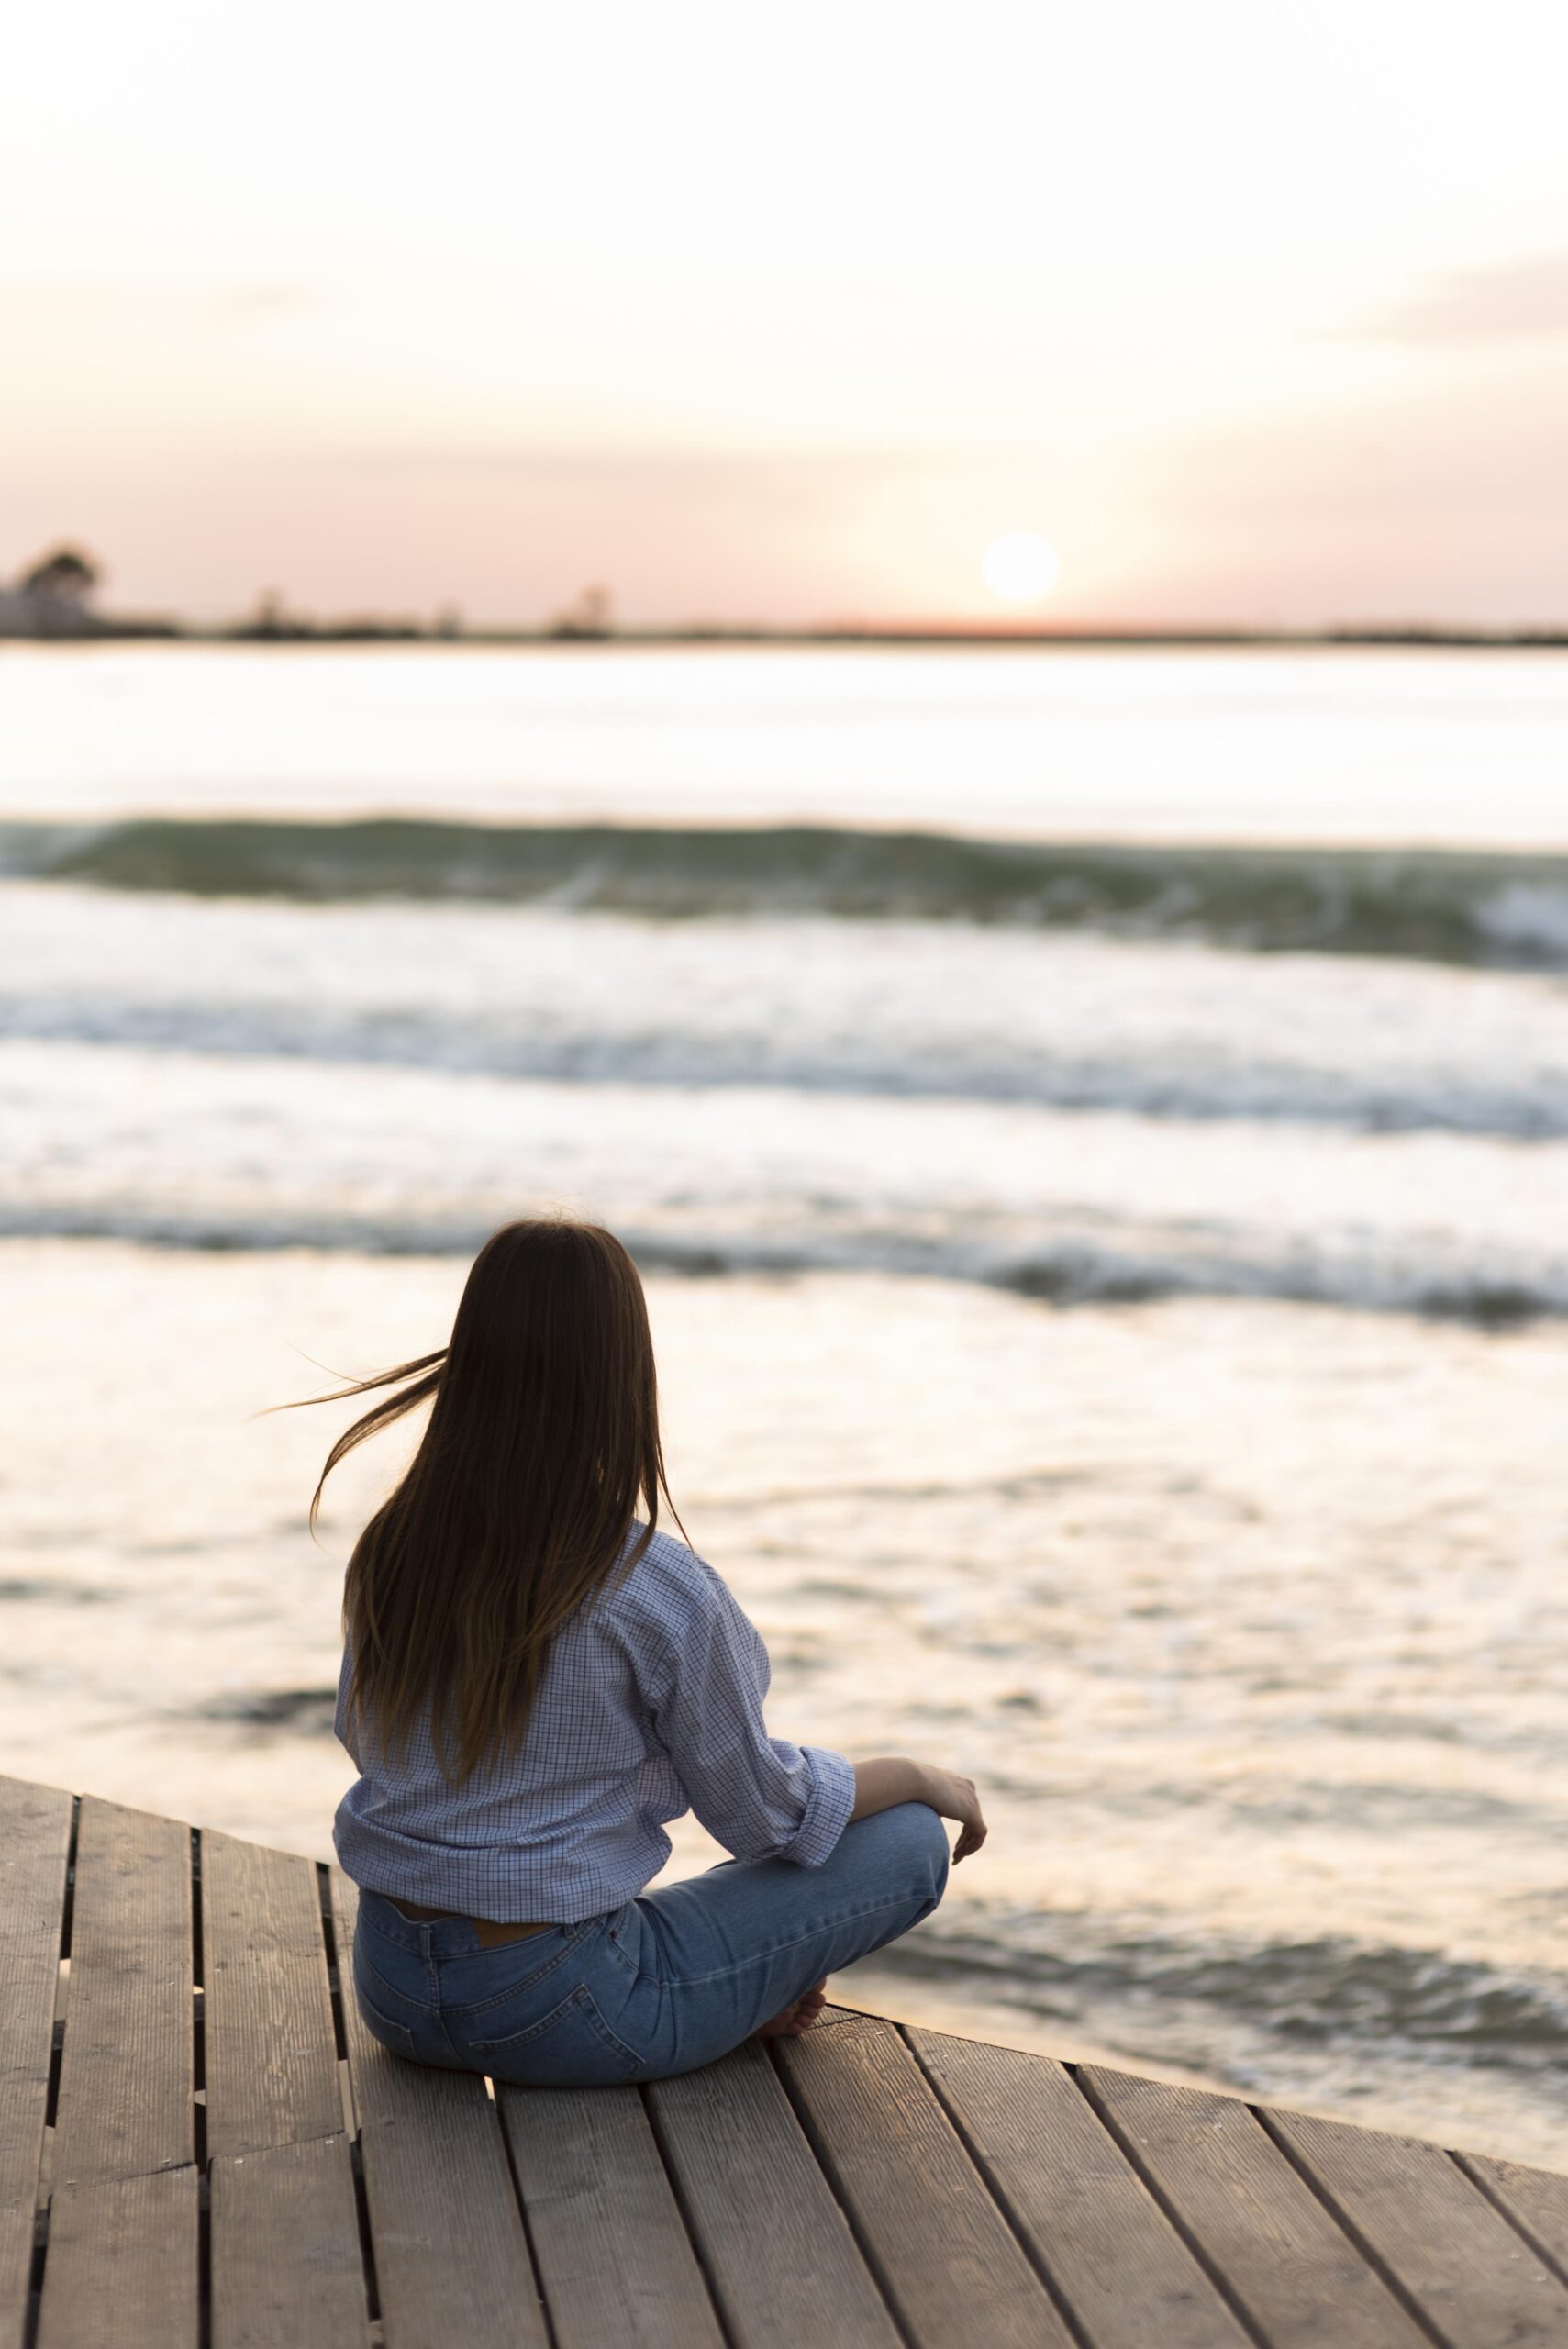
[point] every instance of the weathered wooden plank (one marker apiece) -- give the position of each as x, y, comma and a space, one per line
774, 2242
35, 1840
286, 2266
1260, 2225
1095, 2227
614, 2256
126, 2082
271, 2059
17, 2220
1461, 2262
940, 2247
121, 2271
445, 2226
1538, 2199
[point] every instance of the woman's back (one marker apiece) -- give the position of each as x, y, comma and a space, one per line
650, 1704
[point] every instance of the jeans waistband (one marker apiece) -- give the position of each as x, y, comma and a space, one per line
490, 1935
453, 1936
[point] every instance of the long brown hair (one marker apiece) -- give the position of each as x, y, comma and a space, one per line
542, 1438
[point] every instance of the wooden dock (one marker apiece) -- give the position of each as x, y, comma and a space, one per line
200, 2148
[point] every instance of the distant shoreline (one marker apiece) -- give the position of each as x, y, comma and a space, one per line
553, 639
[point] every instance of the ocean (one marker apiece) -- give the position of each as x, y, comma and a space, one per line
1094, 1126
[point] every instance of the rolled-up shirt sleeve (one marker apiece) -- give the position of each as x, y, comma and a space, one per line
759, 1796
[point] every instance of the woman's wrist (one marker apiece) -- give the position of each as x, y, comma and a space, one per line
885, 1780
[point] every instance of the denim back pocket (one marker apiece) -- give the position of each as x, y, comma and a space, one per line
394, 2035
570, 2047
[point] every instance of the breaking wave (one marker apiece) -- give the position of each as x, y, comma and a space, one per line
1064, 1272
1506, 910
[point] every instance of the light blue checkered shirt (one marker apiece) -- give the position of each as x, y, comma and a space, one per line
651, 1705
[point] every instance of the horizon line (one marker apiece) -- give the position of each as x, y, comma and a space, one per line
85, 629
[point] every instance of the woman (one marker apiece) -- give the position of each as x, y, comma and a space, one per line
535, 1679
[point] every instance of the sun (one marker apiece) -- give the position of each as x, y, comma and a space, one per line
1020, 567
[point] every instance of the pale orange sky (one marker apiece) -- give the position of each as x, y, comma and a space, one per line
1254, 314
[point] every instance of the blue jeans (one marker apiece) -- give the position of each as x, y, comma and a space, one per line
668, 1981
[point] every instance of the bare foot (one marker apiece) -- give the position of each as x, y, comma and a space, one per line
799, 2016
779, 2026
808, 2008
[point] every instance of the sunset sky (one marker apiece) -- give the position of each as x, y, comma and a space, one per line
1252, 314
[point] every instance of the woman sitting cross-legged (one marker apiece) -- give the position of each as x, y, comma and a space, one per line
535, 1679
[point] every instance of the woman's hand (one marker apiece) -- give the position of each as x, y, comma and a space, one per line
893, 1778
951, 1796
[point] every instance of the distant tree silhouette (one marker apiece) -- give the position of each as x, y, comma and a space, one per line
589, 615
64, 577
274, 622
